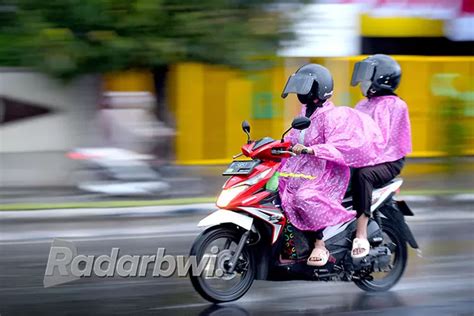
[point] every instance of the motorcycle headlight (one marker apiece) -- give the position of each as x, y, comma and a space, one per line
228, 195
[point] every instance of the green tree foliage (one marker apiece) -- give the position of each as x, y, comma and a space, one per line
70, 37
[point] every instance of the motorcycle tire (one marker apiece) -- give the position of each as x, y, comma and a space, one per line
399, 264
200, 283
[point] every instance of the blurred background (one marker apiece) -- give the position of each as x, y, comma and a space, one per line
88, 85
127, 103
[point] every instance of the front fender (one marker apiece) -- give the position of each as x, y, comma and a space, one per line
225, 216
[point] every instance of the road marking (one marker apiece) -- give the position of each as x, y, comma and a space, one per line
463, 197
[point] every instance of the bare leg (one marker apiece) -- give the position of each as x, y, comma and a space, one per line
360, 247
319, 243
363, 182
362, 223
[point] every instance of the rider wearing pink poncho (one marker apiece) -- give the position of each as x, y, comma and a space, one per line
379, 76
312, 185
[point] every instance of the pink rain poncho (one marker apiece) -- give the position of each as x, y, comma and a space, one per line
390, 113
312, 186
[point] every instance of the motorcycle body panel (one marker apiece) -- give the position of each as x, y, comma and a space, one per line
224, 216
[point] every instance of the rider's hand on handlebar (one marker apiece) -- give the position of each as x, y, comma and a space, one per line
301, 149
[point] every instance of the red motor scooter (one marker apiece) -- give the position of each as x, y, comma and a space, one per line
246, 232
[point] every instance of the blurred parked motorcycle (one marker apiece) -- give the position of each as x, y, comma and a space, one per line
118, 172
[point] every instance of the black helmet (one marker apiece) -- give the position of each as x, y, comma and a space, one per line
382, 71
312, 81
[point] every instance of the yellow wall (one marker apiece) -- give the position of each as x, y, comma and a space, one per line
126, 81
400, 26
210, 102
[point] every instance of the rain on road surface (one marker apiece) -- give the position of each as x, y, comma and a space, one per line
439, 283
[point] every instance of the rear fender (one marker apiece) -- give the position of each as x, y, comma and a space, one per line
403, 207
392, 211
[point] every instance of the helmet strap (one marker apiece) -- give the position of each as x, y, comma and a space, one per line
372, 93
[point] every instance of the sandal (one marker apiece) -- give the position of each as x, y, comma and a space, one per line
360, 248
318, 258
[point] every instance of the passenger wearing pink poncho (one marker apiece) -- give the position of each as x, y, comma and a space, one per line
379, 76
312, 185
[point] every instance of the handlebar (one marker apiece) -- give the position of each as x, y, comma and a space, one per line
279, 152
288, 152
303, 152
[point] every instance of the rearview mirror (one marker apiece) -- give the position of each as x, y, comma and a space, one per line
246, 129
301, 123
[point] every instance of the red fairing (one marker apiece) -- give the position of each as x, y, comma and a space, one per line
258, 169
254, 200
247, 149
265, 152
254, 191
262, 153
270, 162
249, 197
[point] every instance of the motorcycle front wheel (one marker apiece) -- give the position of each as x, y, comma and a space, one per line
219, 285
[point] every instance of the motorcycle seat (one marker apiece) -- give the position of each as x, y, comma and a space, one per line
348, 194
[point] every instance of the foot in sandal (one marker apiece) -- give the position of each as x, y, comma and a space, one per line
360, 248
360, 245
319, 256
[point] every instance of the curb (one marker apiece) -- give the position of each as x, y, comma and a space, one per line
144, 211
104, 204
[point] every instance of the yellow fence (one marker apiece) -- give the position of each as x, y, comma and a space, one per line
210, 102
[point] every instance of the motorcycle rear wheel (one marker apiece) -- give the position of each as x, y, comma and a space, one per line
400, 257
245, 270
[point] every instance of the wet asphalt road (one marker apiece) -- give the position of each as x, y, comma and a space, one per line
440, 283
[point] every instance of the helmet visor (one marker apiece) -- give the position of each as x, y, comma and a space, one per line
363, 71
299, 84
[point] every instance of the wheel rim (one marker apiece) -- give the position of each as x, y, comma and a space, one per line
218, 281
